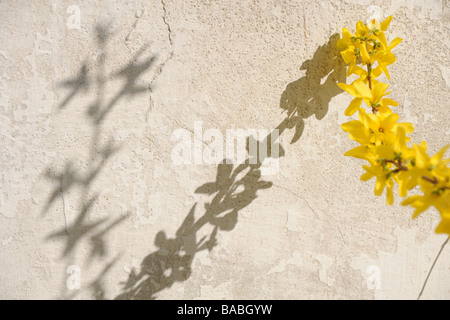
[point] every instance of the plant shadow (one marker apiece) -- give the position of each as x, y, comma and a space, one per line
82, 226
236, 187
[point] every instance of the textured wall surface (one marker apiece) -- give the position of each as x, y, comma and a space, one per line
95, 97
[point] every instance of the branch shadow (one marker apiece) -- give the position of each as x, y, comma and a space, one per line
236, 187
311, 94
83, 226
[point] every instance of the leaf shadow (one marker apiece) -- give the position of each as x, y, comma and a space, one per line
236, 187
84, 227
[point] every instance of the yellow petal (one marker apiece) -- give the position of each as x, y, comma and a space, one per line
389, 194
402, 180
384, 68
350, 67
379, 90
360, 152
362, 90
353, 107
421, 155
378, 55
357, 89
343, 42
385, 24
418, 203
379, 186
388, 58
384, 109
364, 54
438, 156
384, 152
382, 39
348, 55
390, 120
369, 170
419, 210
372, 121
367, 176
359, 71
377, 72
407, 126
410, 200
389, 102
361, 28
351, 125
444, 226
394, 43
347, 87
400, 141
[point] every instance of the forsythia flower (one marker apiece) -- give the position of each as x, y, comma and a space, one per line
433, 176
372, 97
383, 140
380, 171
426, 165
369, 45
375, 129
357, 130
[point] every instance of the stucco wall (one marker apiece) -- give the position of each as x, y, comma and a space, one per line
93, 204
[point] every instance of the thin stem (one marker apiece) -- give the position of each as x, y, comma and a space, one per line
431, 269
399, 165
369, 75
433, 181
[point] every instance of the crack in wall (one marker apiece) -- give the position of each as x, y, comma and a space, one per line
163, 63
301, 198
64, 210
169, 34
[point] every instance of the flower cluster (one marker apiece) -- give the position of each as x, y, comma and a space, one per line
383, 140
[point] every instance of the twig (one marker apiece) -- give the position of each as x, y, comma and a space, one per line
431, 269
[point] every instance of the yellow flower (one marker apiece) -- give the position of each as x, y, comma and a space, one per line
369, 43
360, 91
365, 152
369, 54
384, 180
433, 176
384, 126
388, 163
357, 131
376, 101
362, 30
440, 200
373, 98
364, 74
420, 203
434, 165
399, 156
383, 140
432, 168
374, 24
387, 57
345, 40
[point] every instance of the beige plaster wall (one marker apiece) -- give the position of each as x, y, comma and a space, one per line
92, 204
